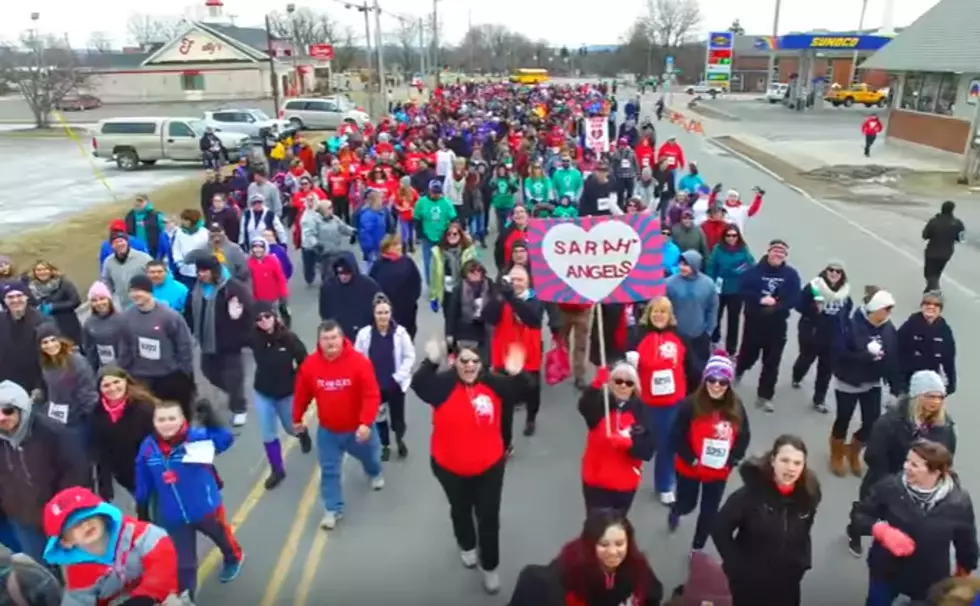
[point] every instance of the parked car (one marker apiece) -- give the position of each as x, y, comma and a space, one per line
134, 141
776, 92
252, 122
859, 93
326, 113
705, 88
78, 103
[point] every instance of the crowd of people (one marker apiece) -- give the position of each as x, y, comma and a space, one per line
113, 401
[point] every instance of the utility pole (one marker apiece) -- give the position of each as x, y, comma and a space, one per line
435, 42
367, 46
773, 77
380, 44
469, 61
297, 84
854, 59
272, 65
422, 47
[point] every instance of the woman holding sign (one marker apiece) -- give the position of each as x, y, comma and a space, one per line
710, 437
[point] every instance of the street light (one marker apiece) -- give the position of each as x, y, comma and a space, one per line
854, 59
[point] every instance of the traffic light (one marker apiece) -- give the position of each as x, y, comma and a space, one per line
564, 52
583, 51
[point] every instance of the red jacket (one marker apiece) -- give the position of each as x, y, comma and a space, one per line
268, 279
345, 390
515, 322
663, 376
615, 461
411, 162
871, 126
308, 158
338, 184
645, 154
673, 151
707, 447
714, 231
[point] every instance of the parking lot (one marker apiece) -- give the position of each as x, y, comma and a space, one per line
779, 123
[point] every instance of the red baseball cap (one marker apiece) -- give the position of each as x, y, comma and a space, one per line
64, 504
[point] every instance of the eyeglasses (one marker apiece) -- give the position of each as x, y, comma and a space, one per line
624, 382
468, 361
721, 382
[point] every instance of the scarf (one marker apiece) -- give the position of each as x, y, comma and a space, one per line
830, 295
454, 261
204, 314
114, 408
927, 499
219, 254
470, 293
392, 255
43, 290
167, 445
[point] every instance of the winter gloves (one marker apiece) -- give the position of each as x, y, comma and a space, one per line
894, 540
205, 414
601, 377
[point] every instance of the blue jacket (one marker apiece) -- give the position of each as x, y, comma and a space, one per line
134, 243
691, 183
729, 265
924, 346
694, 299
854, 364
671, 257
371, 228
782, 283
173, 293
819, 325
184, 493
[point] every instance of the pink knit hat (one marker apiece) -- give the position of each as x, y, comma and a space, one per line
99, 290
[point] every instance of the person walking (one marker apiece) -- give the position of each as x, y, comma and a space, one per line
69, 384
926, 342
871, 128
694, 300
340, 381
103, 333
770, 290
709, 439
942, 233
56, 298
398, 277
762, 532
729, 261
467, 446
823, 304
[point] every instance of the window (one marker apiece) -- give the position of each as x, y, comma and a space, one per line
910, 93
129, 128
926, 101
223, 117
179, 129
321, 106
191, 81
295, 105
946, 99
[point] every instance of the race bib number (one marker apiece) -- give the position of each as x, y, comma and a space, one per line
606, 203
235, 308
662, 383
671, 161
714, 453
718, 285
149, 348
477, 307
448, 283
58, 412
624, 163
106, 353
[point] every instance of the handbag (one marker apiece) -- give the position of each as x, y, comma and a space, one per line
557, 366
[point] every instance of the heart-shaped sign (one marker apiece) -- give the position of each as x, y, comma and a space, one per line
597, 133
593, 263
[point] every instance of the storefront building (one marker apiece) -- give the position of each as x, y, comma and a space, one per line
936, 64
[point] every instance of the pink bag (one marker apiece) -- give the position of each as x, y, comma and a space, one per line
557, 366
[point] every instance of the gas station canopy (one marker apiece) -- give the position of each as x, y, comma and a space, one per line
822, 42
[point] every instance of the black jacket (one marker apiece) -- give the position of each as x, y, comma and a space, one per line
818, 326
891, 437
63, 302
230, 335
949, 522
400, 280
456, 327
420, 180
349, 304
924, 346
763, 536
941, 234
592, 193
114, 445
19, 357
854, 365
542, 586
277, 358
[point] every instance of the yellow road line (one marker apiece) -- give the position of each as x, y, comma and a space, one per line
214, 558
288, 553
310, 569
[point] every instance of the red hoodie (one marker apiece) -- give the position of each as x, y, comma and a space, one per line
411, 162
714, 231
663, 381
672, 150
338, 183
268, 279
871, 126
645, 154
345, 390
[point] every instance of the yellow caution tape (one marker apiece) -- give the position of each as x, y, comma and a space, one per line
85, 154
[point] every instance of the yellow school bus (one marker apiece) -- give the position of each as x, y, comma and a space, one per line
529, 76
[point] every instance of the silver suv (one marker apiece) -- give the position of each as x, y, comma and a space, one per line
252, 122
326, 113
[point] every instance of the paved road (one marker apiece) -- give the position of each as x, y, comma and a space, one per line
394, 541
777, 123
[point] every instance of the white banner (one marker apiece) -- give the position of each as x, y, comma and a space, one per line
597, 134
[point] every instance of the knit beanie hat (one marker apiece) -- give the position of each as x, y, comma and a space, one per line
141, 282
99, 290
778, 246
719, 366
926, 381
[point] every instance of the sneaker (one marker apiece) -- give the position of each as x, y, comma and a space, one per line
275, 479
673, 520
510, 451
469, 558
231, 570
385, 454
854, 546
491, 582
329, 520
377, 482
239, 419
305, 442
402, 450
764, 404
529, 428
821, 407
667, 498
796, 384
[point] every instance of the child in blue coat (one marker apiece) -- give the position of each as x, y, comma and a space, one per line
175, 471
371, 227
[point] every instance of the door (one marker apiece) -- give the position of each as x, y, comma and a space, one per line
323, 114
180, 142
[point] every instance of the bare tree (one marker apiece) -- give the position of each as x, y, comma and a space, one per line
636, 52
344, 51
98, 42
671, 22
151, 29
407, 36
45, 73
304, 27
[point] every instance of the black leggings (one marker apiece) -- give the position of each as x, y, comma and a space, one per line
870, 403
341, 208
603, 498
395, 398
729, 306
625, 190
531, 399
475, 497
809, 353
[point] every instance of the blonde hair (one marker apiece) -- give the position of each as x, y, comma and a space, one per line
391, 241
954, 591
660, 304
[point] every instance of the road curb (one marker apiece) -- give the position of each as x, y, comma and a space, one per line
759, 166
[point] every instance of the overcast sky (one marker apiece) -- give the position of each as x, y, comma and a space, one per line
549, 19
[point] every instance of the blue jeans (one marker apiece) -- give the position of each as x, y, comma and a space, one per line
273, 413
663, 466
477, 228
406, 230
310, 260
503, 215
330, 448
426, 259
8, 536
880, 593
32, 540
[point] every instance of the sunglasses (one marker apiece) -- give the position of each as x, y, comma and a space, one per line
731, 235
261, 317
722, 382
468, 361
8, 411
624, 382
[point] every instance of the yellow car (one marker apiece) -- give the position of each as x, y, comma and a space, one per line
859, 93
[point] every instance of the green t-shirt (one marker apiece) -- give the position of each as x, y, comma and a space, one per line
435, 217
